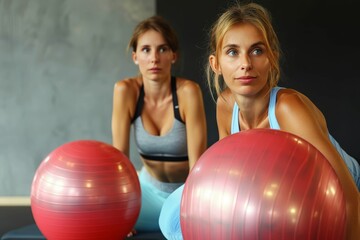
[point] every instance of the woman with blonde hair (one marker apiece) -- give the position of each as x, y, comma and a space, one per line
244, 71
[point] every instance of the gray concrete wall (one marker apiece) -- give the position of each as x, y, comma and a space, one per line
59, 60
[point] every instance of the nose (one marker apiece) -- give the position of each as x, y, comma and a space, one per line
154, 56
245, 63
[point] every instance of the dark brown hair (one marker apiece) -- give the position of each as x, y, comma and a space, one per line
158, 24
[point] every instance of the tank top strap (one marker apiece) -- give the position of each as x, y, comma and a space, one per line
235, 120
139, 104
271, 110
175, 100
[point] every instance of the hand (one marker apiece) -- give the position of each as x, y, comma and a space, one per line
132, 233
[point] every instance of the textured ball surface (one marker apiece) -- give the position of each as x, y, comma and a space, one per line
85, 189
262, 184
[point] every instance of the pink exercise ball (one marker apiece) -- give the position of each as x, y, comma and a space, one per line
262, 184
85, 189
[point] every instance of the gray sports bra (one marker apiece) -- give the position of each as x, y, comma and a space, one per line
170, 147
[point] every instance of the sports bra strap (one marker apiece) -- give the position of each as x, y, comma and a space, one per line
175, 100
140, 102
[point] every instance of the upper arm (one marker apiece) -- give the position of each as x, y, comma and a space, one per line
123, 105
298, 115
195, 120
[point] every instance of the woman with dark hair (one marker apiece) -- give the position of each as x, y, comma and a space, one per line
167, 114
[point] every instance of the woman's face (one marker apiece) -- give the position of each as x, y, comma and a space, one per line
243, 60
153, 55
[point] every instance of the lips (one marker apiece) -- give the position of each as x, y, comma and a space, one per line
155, 69
245, 79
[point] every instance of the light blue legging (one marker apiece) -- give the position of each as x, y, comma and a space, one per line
169, 219
153, 196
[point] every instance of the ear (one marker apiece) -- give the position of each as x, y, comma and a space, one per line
174, 58
214, 65
134, 58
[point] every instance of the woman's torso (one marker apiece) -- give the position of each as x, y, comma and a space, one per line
163, 150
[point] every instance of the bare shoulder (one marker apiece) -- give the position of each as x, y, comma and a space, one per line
187, 87
225, 101
293, 103
289, 92
290, 99
128, 86
224, 107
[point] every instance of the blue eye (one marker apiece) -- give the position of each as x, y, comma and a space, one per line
231, 52
257, 51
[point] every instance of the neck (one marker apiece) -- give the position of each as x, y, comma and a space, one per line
254, 119
157, 90
253, 112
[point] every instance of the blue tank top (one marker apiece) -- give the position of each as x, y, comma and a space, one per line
170, 147
351, 163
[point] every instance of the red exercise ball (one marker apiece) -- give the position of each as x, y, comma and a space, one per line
262, 184
85, 189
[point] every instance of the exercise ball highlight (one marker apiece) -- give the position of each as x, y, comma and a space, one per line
85, 189
262, 184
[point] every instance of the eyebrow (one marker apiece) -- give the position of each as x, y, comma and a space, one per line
164, 45
159, 46
237, 46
